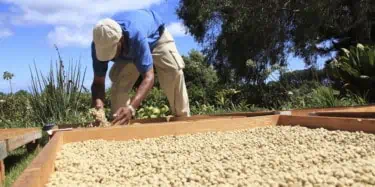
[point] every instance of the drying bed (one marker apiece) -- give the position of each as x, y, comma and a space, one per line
279, 155
258, 131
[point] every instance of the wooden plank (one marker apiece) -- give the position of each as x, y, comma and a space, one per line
14, 132
192, 118
345, 114
154, 120
22, 139
247, 114
306, 112
39, 170
2, 172
330, 123
29, 178
226, 124
3, 150
173, 128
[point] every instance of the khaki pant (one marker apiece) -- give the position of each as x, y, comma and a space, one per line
169, 66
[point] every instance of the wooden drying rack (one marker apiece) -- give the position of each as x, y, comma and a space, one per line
40, 169
11, 139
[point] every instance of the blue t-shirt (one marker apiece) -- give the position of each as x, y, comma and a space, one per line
141, 27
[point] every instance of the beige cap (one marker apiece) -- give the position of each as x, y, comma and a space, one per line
107, 33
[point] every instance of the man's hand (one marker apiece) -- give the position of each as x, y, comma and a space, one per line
99, 104
122, 116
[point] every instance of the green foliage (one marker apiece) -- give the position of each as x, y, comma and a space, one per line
316, 95
155, 104
57, 97
297, 78
200, 109
60, 97
201, 79
325, 97
7, 75
224, 97
152, 112
15, 111
232, 32
354, 68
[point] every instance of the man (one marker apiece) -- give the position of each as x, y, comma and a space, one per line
136, 41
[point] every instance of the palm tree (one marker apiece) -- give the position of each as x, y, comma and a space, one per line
8, 76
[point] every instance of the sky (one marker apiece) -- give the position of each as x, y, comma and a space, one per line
29, 29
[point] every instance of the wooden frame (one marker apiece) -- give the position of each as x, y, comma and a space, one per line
192, 118
308, 111
345, 114
11, 139
40, 169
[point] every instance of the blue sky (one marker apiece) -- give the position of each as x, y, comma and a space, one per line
29, 28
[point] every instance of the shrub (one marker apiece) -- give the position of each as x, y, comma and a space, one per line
57, 97
354, 68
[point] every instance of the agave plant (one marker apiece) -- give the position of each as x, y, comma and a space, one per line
57, 96
355, 68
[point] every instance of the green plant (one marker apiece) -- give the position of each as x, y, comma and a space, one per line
351, 99
325, 97
16, 110
354, 68
152, 112
224, 97
199, 109
56, 97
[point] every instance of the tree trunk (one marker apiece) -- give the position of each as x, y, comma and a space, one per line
10, 84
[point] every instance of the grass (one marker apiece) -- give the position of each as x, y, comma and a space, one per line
16, 163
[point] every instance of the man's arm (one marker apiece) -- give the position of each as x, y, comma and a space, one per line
98, 84
144, 63
98, 92
144, 88
124, 114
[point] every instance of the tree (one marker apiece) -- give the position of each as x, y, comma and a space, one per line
298, 78
8, 76
197, 71
234, 31
201, 79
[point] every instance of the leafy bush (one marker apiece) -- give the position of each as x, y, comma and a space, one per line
321, 96
152, 112
16, 110
354, 68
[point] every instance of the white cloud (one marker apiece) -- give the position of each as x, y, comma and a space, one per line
63, 36
72, 19
177, 29
4, 30
4, 33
